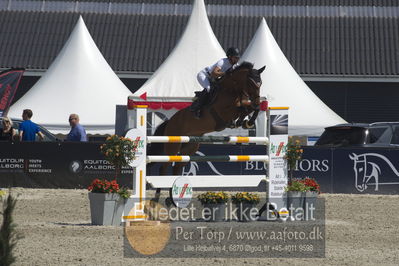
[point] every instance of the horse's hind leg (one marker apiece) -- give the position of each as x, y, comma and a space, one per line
169, 149
163, 170
178, 168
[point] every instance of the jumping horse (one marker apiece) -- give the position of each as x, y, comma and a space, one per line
236, 96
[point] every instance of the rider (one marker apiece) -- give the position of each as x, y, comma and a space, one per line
208, 74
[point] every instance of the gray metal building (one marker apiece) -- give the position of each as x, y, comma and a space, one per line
346, 50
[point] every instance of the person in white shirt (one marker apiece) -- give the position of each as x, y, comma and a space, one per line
212, 72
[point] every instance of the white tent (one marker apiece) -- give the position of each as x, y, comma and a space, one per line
78, 81
283, 87
196, 49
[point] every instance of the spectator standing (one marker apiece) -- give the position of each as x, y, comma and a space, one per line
28, 129
77, 133
7, 132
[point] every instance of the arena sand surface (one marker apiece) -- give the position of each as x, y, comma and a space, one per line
56, 230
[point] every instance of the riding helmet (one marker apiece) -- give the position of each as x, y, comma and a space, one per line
233, 51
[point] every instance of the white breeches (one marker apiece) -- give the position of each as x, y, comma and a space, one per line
203, 80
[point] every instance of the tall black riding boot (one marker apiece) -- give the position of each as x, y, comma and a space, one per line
198, 103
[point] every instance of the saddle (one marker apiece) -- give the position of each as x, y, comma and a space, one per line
209, 97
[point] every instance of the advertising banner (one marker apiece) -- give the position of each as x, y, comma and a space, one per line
278, 177
55, 165
9, 81
366, 170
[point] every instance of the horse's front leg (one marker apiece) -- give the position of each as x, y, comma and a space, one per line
251, 122
241, 118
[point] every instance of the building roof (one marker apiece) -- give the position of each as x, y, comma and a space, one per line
251, 2
324, 46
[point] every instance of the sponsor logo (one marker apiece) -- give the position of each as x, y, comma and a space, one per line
304, 165
75, 167
182, 192
280, 147
139, 145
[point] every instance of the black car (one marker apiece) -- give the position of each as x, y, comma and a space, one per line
47, 135
381, 134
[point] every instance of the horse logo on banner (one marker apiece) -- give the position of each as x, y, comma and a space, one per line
367, 169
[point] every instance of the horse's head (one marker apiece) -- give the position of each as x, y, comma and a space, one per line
246, 82
359, 166
364, 170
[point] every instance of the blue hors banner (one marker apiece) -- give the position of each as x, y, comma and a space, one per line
352, 170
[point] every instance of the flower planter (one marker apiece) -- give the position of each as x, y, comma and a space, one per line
106, 208
244, 211
216, 212
309, 202
295, 201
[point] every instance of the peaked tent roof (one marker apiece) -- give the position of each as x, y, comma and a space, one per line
282, 86
196, 49
78, 81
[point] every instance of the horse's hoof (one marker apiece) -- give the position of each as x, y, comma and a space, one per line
169, 202
246, 125
238, 123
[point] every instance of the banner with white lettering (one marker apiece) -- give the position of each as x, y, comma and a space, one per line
9, 81
278, 177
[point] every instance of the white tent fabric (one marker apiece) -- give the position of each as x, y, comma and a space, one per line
78, 81
196, 49
283, 87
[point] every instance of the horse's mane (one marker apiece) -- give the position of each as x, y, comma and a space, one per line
244, 65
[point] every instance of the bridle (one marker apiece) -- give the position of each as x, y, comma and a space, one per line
255, 100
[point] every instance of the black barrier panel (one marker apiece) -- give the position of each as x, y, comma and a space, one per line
55, 165
75, 165
366, 170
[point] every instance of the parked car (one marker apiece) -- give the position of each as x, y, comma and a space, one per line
47, 135
381, 134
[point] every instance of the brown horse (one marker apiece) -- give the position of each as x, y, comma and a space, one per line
237, 95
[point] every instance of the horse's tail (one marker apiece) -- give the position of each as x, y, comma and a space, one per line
157, 148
